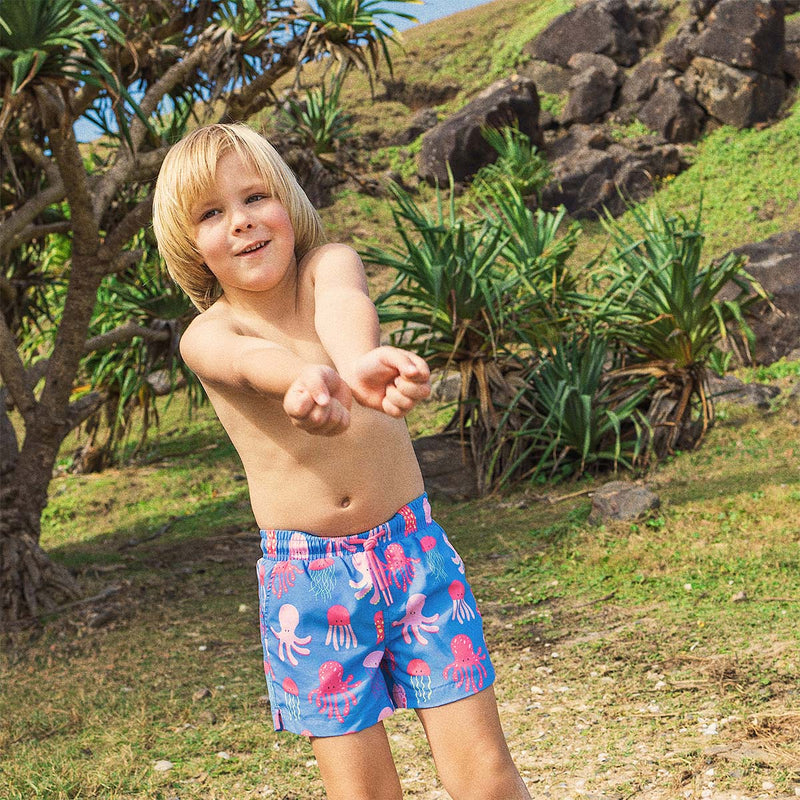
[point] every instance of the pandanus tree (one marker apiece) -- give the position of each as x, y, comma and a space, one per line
479, 294
667, 309
142, 71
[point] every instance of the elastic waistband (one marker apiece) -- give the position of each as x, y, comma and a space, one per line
283, 545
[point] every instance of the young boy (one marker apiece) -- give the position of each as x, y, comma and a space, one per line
364, 604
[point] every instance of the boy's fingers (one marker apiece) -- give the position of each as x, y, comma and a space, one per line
298, 402
416, 390
413, 367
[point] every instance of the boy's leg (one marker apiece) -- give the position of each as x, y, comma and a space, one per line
470, 750
358, 766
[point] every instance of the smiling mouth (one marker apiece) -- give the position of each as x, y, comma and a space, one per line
253, 248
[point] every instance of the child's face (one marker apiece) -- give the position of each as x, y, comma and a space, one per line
244, 235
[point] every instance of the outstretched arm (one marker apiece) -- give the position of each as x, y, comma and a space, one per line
384, 378
315, 398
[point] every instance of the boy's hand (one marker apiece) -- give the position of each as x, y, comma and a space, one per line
390, 380
318, 401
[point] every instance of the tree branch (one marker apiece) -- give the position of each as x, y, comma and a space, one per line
124, 260
73, 174
122, 334
25, 215
33, 232
13, 372
130, 224
82, 409
126, 163
254, 95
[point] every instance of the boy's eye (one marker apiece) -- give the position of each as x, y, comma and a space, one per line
208, 214
254, 198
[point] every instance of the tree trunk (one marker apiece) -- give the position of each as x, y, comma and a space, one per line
30, 583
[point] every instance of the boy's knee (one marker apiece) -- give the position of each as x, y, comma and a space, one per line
492, 776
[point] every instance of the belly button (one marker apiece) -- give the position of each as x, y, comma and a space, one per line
345, 502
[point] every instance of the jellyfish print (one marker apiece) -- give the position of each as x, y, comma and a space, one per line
380, 628
372, 663
340, 631
456, 559
420, 674
323, 577
434, 560
426, 510
462, 611
291, 698
399, 696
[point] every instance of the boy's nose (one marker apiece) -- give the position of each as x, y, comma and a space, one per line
243, 226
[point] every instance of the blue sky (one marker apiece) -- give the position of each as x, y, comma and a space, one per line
434, 9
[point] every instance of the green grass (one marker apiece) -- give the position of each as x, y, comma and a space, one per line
617, 646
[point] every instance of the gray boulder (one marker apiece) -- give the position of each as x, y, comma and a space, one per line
775, 264
592, 88
447, 467
549, 78
620, 500
672, 113
701, 8
682, 47
734, 96
598, 26
643, 80
791, 53
732, 390
748, 34
591, 174
458, 140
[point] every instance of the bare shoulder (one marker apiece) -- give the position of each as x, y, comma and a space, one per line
205, 328
210, 344
334, 265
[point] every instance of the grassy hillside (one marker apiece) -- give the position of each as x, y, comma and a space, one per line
751, 177
647, 661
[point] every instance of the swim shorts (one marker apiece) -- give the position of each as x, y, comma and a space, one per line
354, 627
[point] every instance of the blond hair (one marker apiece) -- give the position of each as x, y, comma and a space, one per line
188, 173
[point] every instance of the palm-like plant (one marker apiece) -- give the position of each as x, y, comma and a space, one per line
570, 415
477, 296
452, 300
53, 41
518, 163
363, 21
665, 307
319, 119
537, 250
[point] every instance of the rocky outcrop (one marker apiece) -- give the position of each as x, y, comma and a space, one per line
592, 173
733, 96
459, 142
775, 264
729, 63
613, 28
672, 113
747, 34
733, 58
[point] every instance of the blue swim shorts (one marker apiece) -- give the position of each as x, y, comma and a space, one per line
354, 627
